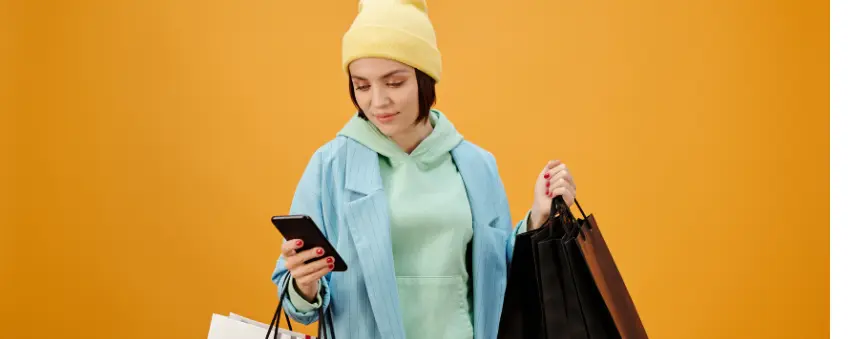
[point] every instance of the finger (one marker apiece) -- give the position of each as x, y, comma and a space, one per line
315, 266
558, 174
289, 247
564, 174
558, 168
562, 181
566, 193
569, 197
301, 257
551, 164
570, 179
550, 169
554, 171
558, 183
316, 275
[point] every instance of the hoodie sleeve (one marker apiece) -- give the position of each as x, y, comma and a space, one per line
299, 302
307, 200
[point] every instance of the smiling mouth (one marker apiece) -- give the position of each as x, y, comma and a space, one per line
385, 116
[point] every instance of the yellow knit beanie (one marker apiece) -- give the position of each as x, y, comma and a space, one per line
399, 30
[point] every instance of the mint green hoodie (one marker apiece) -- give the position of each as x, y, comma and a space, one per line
431, 228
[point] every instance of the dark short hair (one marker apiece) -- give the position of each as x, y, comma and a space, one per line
426, 95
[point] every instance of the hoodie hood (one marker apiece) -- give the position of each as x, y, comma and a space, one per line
431, 152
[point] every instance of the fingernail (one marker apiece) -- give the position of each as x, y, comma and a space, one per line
331, 266
319, 251
548, 184
299, 243
547, 175
330, 260
547, 192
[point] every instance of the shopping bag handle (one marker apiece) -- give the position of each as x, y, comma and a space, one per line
560, 210
275, 322
324, 321
558, 206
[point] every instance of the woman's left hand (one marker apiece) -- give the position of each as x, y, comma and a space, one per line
554, 180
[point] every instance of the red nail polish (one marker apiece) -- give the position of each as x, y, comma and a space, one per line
548, 184
547, 192
330, 260
330, 266
319, 251
299, 243
547, 175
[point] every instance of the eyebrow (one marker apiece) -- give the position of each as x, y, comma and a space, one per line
382, 77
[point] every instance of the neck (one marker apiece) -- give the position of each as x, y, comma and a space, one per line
411, 138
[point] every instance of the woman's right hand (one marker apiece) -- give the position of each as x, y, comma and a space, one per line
307, 277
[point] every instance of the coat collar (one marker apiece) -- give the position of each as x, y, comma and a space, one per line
366, 214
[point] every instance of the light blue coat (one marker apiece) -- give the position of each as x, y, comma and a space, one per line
341, 190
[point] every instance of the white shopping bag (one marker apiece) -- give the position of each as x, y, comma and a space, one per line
238, 327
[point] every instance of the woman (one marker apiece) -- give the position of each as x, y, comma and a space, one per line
419, 214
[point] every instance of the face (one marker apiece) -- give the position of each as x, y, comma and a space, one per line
387, 92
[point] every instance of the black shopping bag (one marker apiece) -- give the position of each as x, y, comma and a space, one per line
537, 291
551, 291
561, 308
522, 308
598, 321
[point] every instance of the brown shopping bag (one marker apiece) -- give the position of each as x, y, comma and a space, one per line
607, 278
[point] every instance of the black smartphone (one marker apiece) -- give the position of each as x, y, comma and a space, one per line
304, 228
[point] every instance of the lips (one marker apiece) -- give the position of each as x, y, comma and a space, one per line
385, 117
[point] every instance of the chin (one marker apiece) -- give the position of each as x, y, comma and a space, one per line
391, 128
387, 130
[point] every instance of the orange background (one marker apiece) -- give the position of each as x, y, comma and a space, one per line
151, 141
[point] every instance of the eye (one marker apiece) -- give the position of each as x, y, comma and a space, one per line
395, 84
362, 87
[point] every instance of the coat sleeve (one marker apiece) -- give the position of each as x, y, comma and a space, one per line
503, 210
307, 200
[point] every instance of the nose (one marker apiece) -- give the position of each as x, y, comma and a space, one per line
380, 97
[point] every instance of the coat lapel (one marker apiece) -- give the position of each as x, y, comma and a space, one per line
368, 219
